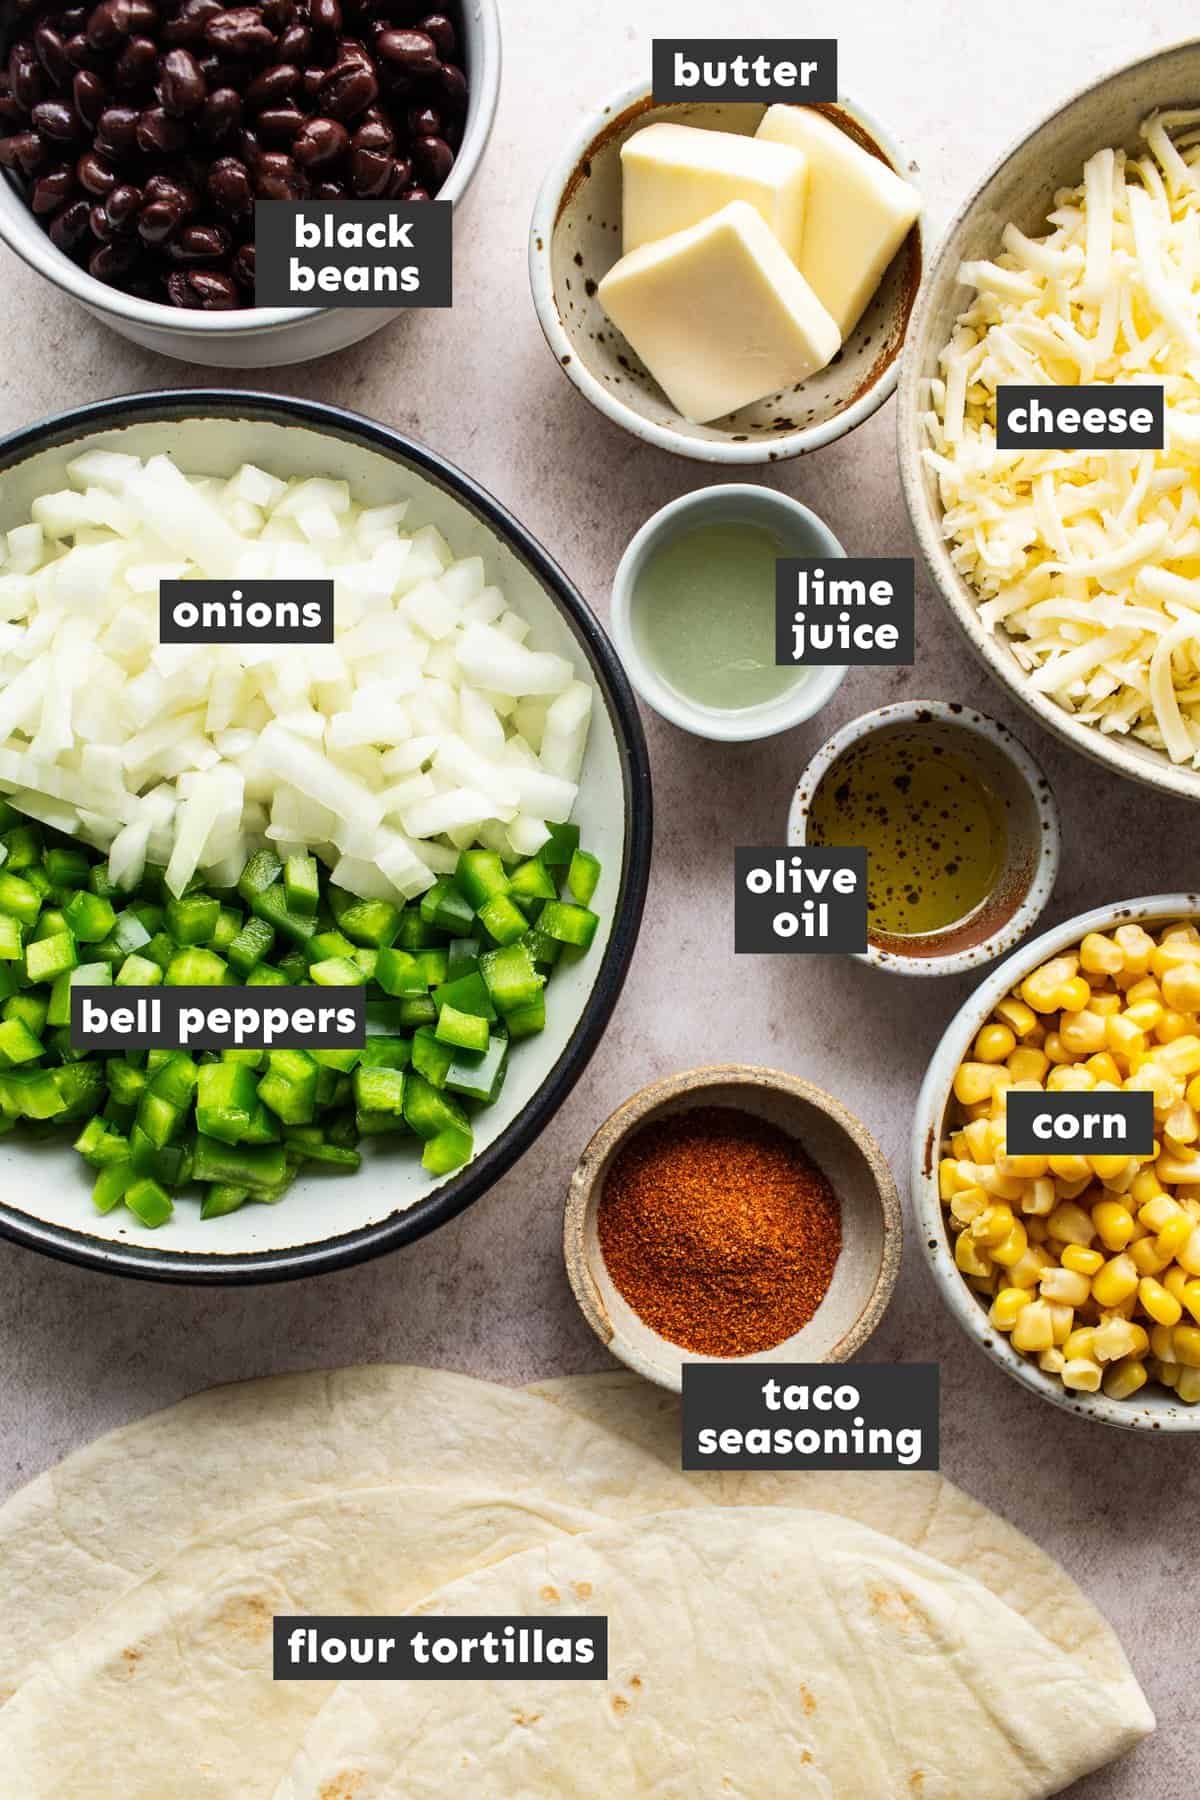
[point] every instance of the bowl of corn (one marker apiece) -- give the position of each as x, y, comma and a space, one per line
1080, 1274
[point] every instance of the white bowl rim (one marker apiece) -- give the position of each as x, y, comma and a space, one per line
739, 726
31, 244
1130, 1415
765, 450
969, 719
363, 1242
1108, 749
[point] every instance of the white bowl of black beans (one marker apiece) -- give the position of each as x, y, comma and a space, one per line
136, 135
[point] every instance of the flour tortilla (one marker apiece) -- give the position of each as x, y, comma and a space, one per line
173, 1684
87, 1531
918, 1507
752, 1652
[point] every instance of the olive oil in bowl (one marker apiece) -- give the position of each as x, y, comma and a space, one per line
935, 832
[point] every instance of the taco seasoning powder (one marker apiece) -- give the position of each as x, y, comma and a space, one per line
719, 1231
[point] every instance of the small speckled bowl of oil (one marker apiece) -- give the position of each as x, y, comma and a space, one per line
575, 238
959, 824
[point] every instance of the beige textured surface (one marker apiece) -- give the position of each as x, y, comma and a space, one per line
79, 1354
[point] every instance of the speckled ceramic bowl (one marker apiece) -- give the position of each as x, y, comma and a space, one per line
1151, 1409
575, 239
1031, 866
843, 1148
1021, 188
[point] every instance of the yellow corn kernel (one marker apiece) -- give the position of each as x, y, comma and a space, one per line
1036, 1227
1111, 1170
1070, 1224
1007, 1305
1012, 1248
970, 1259
1193, 1092
1104, 1069
1144, 1015
1082, 1032
980, 1135
993, 1225
1158, 1303
1145, 1256
1034, 1329
1181, 987
1136, 946
1000, 1186
1062, 1321
1023, 1168
1116, 1281
1116, 1338
1039, 1197
1082, 1376
1158, 1209
1014, 1013
1028, 1064
1113, 1223
1052, 1361
1124, 1036
1186, 1340
1181, 1054
994, 1043
1162, 1342
1181, 1124
1028, 1271
1056, 1052
1167, 1372
967, 1205
1041, 989
1107, 1005
1188, 1256
1081, 1261
1074, 995
1190, 1299
973, 1082
949, 1179
1123, 1379
1099, 955
1065, 1287
1071, 1168
1080, 1342
1188, 1386
1173, 1233
1175, 1281
1070, 1078
1152, 1077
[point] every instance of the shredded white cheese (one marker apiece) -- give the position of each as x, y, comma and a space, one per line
1089, 560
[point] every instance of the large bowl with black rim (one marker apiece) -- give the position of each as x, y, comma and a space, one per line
326, 1224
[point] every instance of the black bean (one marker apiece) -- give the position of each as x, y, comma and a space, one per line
12, 116
279, 124
295, 44
79, 52
374, 133
278, 13
68, 228
158, 222
95, 175
326, 15
206, 290
116, 130
243, 265
414, 51
122, 207
348, 88
25, 151
109, 23
248, 146
55, 119
49, 191
276, 177
187, 27
174, 193
229, 186
72, 20
370, 172
273, 86
158, 133
452, 87
200, 243
142, 15
26, 82
416, 193
222, 114
52, 54
239, 31
101, 225
439, 28
319, 142
401, 177
312, 80
423, 121
181, 87
89, 95
113, 259
434, 160
329, 190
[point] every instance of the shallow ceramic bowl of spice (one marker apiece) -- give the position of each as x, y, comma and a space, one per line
575, 238
922, 784
746, 1212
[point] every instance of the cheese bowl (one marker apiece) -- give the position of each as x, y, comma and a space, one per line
1021, 189
319, 1224
575, 238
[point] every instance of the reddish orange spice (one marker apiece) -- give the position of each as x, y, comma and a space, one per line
719, 1231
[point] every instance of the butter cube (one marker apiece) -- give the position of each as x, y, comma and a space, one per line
858, 215
719, 314
675, 175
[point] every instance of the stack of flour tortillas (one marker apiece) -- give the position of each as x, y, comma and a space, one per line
848, 1637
